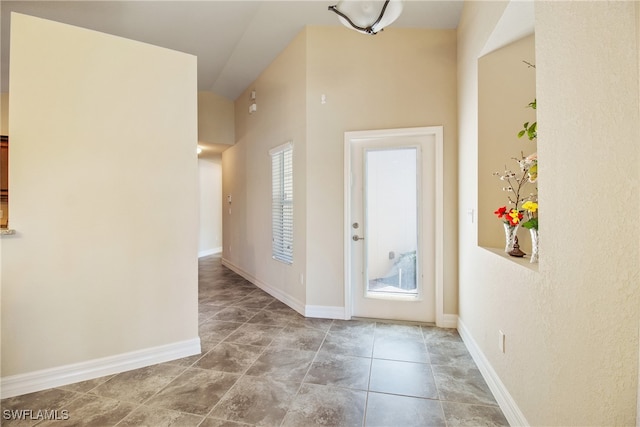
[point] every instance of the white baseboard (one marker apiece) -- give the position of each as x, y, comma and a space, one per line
274, 292
509, 406
16, 385
208, 252
448, 321
324, 312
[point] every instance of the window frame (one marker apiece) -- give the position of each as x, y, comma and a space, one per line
282, 203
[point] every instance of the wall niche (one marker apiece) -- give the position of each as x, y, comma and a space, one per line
506, 86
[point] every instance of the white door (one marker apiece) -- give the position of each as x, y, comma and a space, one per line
392, 225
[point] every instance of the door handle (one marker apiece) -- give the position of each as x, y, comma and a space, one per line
356, 238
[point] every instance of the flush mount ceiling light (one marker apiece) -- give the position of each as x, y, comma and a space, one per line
367, 16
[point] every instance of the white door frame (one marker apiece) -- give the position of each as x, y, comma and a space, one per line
437, 132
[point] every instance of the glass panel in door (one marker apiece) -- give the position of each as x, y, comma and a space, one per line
391, 206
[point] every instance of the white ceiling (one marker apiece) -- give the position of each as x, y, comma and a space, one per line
233, 40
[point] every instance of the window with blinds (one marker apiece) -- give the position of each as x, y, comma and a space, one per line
282, 202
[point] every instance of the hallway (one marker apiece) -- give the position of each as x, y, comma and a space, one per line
263, 364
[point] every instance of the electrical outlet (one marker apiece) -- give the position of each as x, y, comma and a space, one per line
501, 341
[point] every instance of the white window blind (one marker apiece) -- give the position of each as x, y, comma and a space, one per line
282, 202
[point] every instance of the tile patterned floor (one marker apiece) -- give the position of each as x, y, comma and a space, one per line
262, 364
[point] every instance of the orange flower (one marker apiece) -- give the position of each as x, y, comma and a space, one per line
514, 217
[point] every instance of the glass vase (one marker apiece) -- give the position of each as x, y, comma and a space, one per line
534, 245
510, 232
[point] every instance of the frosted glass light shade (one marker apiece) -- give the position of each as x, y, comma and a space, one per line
364, 14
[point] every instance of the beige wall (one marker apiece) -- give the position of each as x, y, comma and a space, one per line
215, 123
399, 78
103, 197
280, 117
571, 328
364, 90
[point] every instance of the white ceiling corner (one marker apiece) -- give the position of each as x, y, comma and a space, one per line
517, 21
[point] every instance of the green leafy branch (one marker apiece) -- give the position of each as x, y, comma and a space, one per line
530, 129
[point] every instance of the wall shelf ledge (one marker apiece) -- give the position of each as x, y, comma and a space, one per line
524, 262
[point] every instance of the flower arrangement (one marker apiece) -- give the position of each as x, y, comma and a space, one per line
515, 183
531, 209
531, 205
522, 209
531, 162
511, 218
